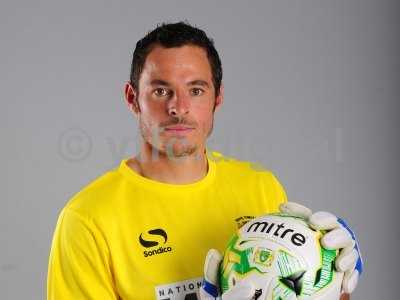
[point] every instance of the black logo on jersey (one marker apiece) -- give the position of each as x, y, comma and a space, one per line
243, 220
149, 242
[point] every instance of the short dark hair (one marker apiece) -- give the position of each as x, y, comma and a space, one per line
171, 35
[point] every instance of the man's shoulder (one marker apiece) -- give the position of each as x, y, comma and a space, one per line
98, 195
242, 169
232, 164
248, 175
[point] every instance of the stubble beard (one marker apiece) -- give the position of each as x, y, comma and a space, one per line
173, 148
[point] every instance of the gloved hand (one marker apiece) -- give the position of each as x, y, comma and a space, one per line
210, 289
339, 237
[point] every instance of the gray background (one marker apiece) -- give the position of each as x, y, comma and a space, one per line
311, 93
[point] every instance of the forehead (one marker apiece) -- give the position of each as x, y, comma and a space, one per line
186, 63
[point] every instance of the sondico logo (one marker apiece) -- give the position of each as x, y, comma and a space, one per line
152, 239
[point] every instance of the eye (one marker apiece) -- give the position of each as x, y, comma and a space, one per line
161, 92
196, 92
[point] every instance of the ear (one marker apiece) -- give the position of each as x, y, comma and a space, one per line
220, 98
131, 98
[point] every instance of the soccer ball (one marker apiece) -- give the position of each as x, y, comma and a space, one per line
282, 256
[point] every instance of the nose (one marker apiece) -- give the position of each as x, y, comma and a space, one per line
179, 105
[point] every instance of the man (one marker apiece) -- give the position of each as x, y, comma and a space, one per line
142, 230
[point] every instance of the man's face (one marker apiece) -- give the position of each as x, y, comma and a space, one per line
176, 99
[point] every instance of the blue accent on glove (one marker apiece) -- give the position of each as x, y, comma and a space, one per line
360, 264
210, 288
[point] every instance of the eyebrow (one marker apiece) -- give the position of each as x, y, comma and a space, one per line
194, 82
199, 82
159, 82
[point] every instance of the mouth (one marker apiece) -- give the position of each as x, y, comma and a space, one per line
178, 129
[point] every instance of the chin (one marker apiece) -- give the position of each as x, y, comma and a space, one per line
179, 150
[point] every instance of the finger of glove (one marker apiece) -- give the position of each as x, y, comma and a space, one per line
211, 265
323, 220
350, 281
337, 239
295, 209
243, 290
346, 260
359, 264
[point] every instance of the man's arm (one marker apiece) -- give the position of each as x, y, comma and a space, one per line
79, 265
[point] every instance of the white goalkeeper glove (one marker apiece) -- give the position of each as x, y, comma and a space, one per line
339, 237
210, 289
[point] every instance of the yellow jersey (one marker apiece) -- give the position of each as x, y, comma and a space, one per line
128, 237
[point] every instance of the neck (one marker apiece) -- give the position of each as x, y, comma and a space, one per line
159, 166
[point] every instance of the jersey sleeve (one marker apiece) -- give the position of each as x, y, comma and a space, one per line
79, 263
280, 191
274, 193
